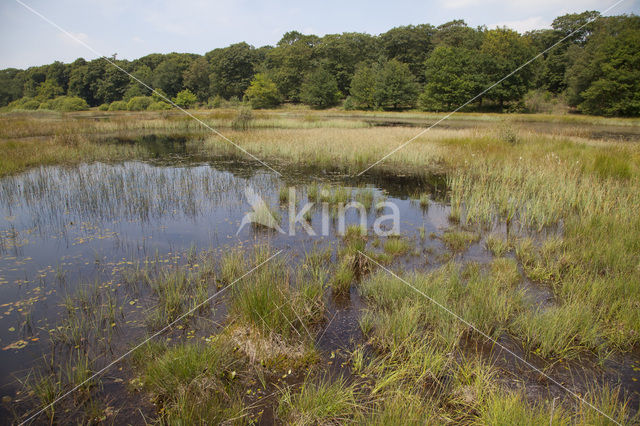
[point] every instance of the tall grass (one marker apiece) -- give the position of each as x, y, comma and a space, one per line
396, 246
195, 383
272, 300
319, 402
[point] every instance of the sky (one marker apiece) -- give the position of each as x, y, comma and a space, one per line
132, 29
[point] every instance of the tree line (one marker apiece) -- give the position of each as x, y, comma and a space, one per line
594, 70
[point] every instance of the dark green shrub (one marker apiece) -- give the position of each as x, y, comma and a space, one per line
158, 106
118, 106
263, 92
139, 103
69, 103
215, 102
24, 103
320, 89
185, 99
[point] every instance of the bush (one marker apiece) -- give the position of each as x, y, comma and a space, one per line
104, 107
243, 119
69, 103
215, 102
65, 103
47, 105
118, 106
543, 101
159, 95
185, 99
426, 102
158, 106
139, 103
508, 133
349, 104
24, 103
31, 104
263, 92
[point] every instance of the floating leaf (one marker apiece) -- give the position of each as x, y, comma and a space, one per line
15, 345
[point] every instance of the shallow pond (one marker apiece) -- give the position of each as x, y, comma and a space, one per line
63, 229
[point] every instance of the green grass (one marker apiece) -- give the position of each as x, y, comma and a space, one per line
402, 407
340, 195
424, 199
194, 383
319, 401
396, 246
20, 155
46, 388
392, 328
178, 291
563, 331
343, 277
608, 166
510, 408
365, 196
505, 272
313, 190
272, 300
232, 265
283, 195
471, 294
459, 240
497, 245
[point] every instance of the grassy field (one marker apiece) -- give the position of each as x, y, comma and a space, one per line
569, 205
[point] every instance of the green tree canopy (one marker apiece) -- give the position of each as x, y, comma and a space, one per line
605, 78
452, 77
49, 90
232, 69
386, 85
591, 67
320, 89
395, 86
341, 53
290, 61
409, 45
168, 77
503, 51
458, 34
363, 87
196, 78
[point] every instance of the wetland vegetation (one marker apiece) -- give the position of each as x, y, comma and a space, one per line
116, 225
